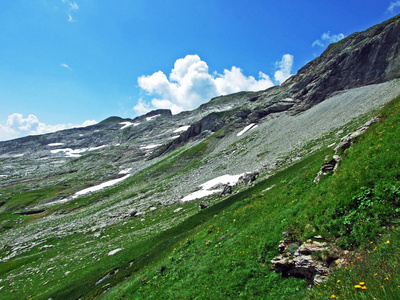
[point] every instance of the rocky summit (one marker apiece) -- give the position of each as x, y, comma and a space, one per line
90, 194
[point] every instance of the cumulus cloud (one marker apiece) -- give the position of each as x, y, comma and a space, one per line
285, 67
190, 84
393, 5
141, 107
327, 38
18, 126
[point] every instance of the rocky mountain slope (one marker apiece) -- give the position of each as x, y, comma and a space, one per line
91, 180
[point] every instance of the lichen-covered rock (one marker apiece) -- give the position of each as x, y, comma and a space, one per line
311, 260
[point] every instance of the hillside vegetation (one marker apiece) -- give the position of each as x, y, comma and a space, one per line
227, 252
278, 194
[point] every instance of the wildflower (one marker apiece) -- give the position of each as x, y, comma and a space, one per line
386, 278
376, 274
333, 296
387, 242
364, 287
357, 286
338, 281
362, 283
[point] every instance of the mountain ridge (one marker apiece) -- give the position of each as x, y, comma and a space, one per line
125, 181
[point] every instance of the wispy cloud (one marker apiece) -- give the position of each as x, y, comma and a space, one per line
65, 66
72, 8
71, 19
17, 126
327, 38
190, 84
393, 5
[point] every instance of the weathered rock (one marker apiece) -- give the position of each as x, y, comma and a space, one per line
363, 58
227, 189
30, 212
247, 178
45, 247
310, 261
203, 205
345, 142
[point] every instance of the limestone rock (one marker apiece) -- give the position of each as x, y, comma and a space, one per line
312, 260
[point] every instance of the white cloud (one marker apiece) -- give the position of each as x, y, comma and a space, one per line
393, 5
88, 123
141, 107
327, 38
65, 66
285, 67
190, 84
74, 6
18, 126
71, 19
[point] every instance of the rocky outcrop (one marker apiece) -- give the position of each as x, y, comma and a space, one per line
311, 260
247, 178
332, 165
369, 57
346, 141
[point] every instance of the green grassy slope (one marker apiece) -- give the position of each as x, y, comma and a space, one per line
227, 254
224, 251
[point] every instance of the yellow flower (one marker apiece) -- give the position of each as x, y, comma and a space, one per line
333, 296
364, 287
338, 281
386, 278
376, 274
362, 283
388, 242
357, 286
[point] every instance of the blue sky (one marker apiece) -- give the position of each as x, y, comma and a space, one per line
70, 63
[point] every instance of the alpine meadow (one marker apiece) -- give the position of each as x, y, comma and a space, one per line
292, 192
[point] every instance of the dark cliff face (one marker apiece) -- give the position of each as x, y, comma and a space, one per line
369, 57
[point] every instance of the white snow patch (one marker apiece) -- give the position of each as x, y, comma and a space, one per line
152, 117
97, 148
126, 171
55, 144
70, 152
3, 176
126, 124
224, 179
116, 145
148, 147
174, 137
206, 188
114, 251
99, 186
18, 155
153, 208
182, 128
199, 194
248, 127
178, 209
